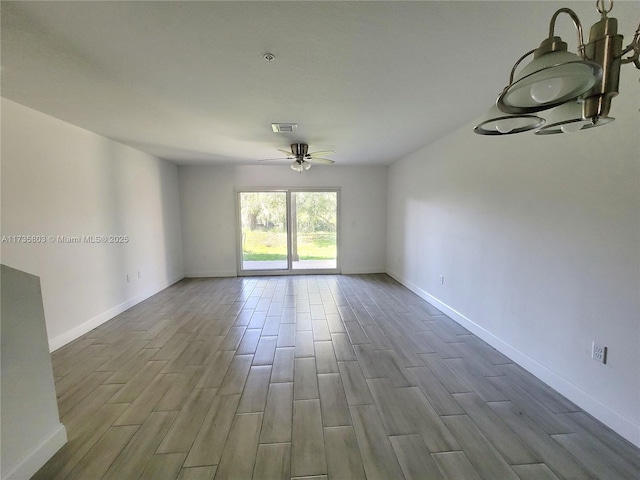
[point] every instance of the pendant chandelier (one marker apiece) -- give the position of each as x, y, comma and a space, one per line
577, 89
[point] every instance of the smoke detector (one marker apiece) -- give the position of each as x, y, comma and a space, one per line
284, 127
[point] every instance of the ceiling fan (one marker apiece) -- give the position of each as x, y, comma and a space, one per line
301, 157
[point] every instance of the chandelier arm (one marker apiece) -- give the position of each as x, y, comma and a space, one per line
513, 70
576, 23
634, 47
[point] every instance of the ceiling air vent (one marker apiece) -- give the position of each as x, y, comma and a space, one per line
284, 127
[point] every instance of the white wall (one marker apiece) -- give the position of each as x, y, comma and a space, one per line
208, 212
539, 242
58, 179
31, 428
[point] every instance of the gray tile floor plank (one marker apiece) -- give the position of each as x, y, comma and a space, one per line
343, 454
125, 372
356, 333
406, 411
325, 357
184, 429
249, 341
596, 458
304, 344
134, 387
144, 404
81, 438
354, 383
497, 432
217, 369
236, 376
209, 443
232, 339
305, 384
273, 461
307, 442
106, 450
134, 458
342, 347
335, 323
484, 457
276, 425
181, 388
455, 466
286, 335
542, 392
321, 331
283, 365
550, 422
583, 422
559, 460
379, 459
536, 471
414, 457
480, 384
81, 390
439, 397
271, 325
198, 473
333, 400
451, 381
254, 396
163, 467
265, 351
238, 458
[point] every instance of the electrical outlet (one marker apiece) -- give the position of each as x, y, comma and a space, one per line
599, 352
441, 279
128, 278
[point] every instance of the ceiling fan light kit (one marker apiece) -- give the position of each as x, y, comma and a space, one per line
301, 157
577, 89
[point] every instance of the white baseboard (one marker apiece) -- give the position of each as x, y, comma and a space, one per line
70, 335
584, 400
211, 274
33, 462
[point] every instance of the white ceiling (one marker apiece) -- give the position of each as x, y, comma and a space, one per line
187, 81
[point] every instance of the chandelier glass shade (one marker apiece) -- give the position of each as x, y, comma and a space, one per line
496, 122
568, 118
548, 81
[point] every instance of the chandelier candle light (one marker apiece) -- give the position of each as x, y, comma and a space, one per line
578, 88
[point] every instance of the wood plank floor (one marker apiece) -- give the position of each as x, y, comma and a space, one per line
339, 377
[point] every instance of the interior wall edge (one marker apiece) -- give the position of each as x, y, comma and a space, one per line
564, 386
40, 455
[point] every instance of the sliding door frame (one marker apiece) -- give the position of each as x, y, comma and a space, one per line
289, 270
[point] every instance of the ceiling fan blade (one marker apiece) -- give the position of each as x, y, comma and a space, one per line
286, 152
323, 153
325, 161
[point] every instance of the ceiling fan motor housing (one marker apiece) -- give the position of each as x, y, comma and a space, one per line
299, 149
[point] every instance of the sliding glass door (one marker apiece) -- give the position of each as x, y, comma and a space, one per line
314, 236
288, 231
263, 228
